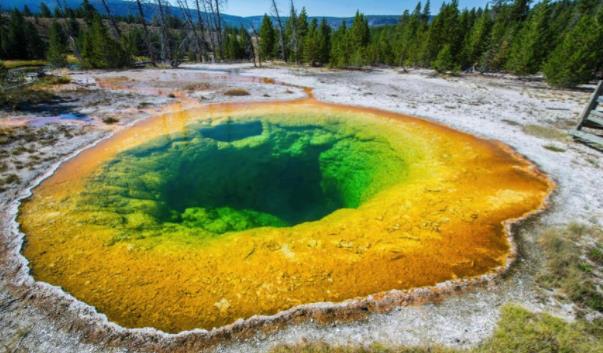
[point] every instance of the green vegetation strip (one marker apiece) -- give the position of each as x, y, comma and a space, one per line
561, 39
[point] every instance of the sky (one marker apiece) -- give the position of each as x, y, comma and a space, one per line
339, 8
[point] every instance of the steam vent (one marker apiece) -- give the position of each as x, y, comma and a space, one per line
198, 218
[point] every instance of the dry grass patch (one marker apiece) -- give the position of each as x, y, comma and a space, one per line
236, 92
554, 148
14, 64
571, 264
544, 132
52, 80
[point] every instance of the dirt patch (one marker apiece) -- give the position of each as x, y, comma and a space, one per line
236, 92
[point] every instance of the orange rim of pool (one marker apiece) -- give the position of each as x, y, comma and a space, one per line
197, 218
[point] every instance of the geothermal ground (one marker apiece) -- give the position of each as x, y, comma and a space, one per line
526, 115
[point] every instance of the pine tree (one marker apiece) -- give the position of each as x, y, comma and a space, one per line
27, 11
587, 7
444, 30
578, 56
73, 26
87, 11
302, 31
267, 38
312, 49
15, 40
36, 48
232, 45
426, 13
411, 33
359, 39
99, 50
3, 36
436, 36
380, 50
478, 39
324, 41
44, 10
519, 10
340, 47
3, 72
506, 25
445, 61
360, 32
245, 43
291, 36
531, 44
56, 46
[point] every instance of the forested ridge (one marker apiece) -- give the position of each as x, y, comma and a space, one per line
561, 39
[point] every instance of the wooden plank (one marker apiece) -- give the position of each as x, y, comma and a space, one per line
594, 121
596, 114
592, 103
589, 138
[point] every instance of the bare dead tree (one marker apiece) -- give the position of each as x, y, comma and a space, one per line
209, 18
214, 11
219, 25
255, 47
183, 5
294, 43
294, 38
166, 53
200, 22
114, 25
281, 30
147, 35
76, 51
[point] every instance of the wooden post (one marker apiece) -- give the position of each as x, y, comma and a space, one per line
591, 105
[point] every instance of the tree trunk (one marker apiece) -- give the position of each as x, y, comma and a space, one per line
147, 35
215, 13
183, 4
255, 48
281, 30
219, 28
112, 20
200, 24
166, 54
294, 44
209, 13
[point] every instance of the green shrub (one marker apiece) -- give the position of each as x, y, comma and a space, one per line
565, 267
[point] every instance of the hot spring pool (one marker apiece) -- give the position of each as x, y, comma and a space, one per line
198, 218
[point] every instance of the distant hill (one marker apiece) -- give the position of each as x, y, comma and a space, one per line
373, 20
126, 8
